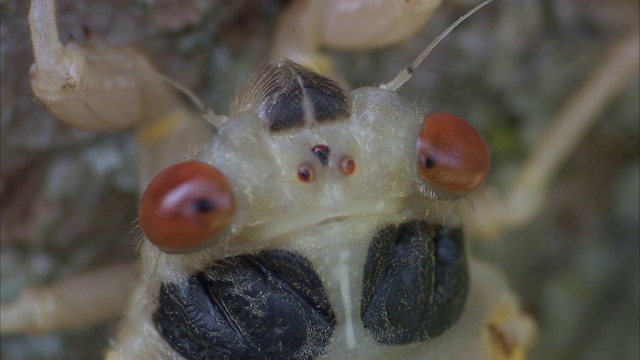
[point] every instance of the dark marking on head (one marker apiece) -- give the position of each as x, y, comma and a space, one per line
288, 96
286, 112
329, 101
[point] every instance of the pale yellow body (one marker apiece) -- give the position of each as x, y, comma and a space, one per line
489, 300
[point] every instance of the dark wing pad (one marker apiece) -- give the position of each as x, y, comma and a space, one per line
271, 305
415, 282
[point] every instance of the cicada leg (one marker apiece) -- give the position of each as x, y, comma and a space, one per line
97, 86
88, 298
527, 195
306, 27
100, 87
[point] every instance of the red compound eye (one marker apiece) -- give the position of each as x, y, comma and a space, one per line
452, 154
185, 205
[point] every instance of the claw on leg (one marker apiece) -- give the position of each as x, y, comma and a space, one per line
509, 332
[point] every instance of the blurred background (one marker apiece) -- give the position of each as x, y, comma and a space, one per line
68, 197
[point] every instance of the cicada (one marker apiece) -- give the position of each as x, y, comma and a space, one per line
316, 222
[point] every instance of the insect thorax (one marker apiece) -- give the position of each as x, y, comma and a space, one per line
335, 232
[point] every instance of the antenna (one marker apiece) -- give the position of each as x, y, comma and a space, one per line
405, 74
205, 111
